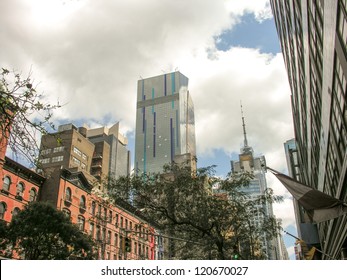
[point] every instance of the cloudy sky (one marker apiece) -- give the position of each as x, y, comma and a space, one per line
89, 55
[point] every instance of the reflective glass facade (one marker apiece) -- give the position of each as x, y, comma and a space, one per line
165, 125
313, 36
258, 185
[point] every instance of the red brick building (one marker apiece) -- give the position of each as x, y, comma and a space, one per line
109, 223
76, 193
18, 185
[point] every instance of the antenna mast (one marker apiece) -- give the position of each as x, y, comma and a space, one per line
244, 128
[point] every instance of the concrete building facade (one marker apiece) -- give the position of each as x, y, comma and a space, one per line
110, 150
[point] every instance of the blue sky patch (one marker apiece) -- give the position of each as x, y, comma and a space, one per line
250, 33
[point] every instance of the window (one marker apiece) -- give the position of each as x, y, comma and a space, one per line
116, 239
84, 156
20, 189
46, 151
76, 161
7, 184
121, 222
98, 233
81, 223
58, 149
67, 212
3, 208
57, 159
110, 216
68, 194
99, 211
109, 237
93, 207
32, 195
15, 212
44, 160
105, 214
104, 234
77, 151
91, 229
83, 202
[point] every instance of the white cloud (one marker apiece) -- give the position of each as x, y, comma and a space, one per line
260, 8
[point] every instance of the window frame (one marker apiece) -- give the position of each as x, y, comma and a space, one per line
32, 198
68, 194
7, 189
93, 210
83, 202
20, 189
81, 222
3, 207
67, 212
15, 211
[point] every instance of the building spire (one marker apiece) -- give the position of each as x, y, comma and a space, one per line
244, 128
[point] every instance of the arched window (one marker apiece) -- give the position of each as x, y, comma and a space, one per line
68, 194
7, 184
15, 212
83, 202
32, 195
67, 212
20, 189
81, 221
3, 208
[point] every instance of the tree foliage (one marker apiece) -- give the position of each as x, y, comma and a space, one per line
210, 217
23, 114
41, 232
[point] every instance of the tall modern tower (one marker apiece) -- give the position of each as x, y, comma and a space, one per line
313, 37
256, 165
165, 126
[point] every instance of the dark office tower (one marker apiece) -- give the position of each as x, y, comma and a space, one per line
165, 127
111, 155
313, 36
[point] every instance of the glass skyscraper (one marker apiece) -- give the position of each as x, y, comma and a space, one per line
165, 126
257, 166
